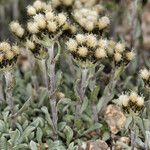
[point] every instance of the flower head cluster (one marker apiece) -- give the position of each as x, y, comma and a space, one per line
86, 47
67, 3
43, 22
8, 54
131, 101
89, 19
145, 75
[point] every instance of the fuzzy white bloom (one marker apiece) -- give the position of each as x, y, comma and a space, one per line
100, 53
123, 100
33, 27
80, 38
133, 97
119, 47
5, 46
61, 18
82, 51
16, 49
40, 20
103, 22
117, 57
30, 44
91, 40
20, 32
31, 11
145, 74
52, 26
38, 5
56, 3
67, 2
9, 55
140, 101
130, 55
14, 25
72, 45
103, 43
1, 57
89, 26
49, 15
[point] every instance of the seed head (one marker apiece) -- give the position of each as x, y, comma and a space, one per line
102, 43
31, 11
124, 100
82, 51
20, 32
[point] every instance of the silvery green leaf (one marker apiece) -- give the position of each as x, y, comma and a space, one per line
68, 118
148, 138
72, 146
84, 105
47, 115
3, 143
139, 142
33, 145
92, 128
21, 147
43, 96
57, 145
58, 78
106, 136
128, 122
94, 94
86, 118
39, 135
5, 116
69, 134
14, 137
61, 125
2, 126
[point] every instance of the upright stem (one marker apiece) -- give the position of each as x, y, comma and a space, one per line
9, 79
81, 91
52, 86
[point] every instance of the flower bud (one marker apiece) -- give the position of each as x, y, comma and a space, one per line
140, 101
72, 45
14, 26
1, 57
130, 56
31, 11
9, 55
133, 97
56, 3
100, 53
145, 74
67, 2
5, 46
16, 49
102, 43
119, 47
49, 15
32, 27
91, 40
20, 32
117, 57
38, 5
52, 26
40, 20
124, 100
103, 22
89, 26
80, 38
82, 51
30, 44
61, 18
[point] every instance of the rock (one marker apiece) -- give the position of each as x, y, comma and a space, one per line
97, 145
114, 118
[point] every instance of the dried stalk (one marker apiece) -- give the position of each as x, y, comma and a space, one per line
9, 79
52, 85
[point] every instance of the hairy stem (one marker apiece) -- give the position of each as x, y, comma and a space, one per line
9, 79
52, 86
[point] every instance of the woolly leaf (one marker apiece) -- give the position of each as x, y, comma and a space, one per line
69, 134
33, 145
